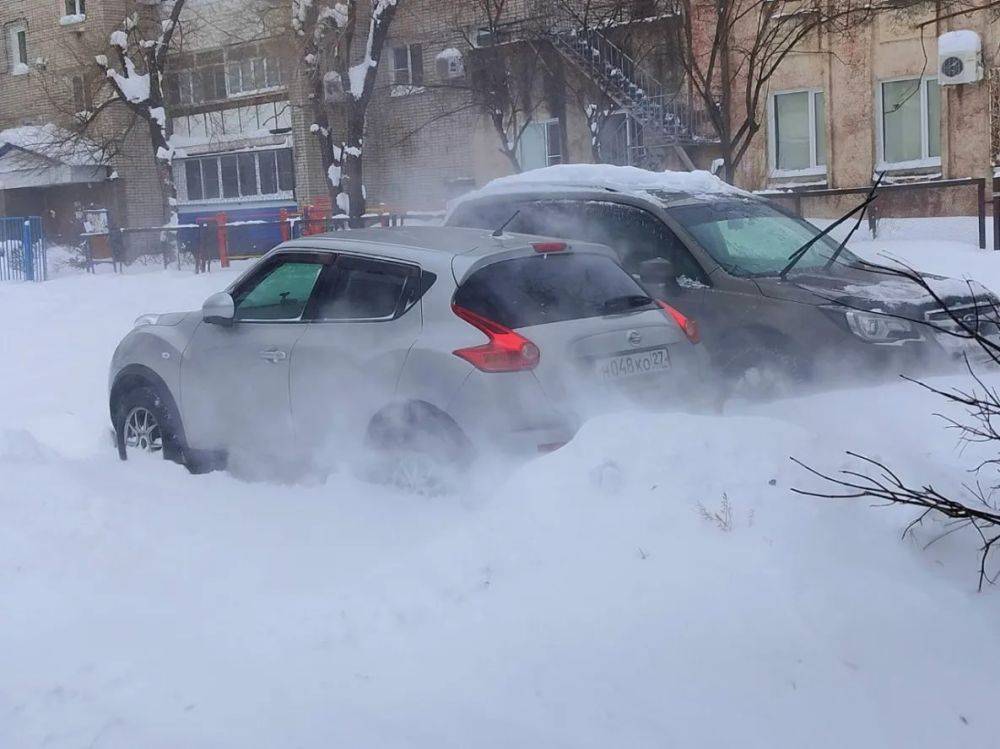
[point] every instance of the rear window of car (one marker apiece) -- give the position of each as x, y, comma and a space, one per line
549, 288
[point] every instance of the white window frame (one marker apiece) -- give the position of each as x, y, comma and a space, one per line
547, 123
405, 88
80, 7
268, 64
925, 161
814, 169
15, 65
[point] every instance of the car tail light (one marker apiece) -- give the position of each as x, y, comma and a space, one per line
685, 323
506, 351
550, 246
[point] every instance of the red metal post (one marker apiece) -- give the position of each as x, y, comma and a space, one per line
222, 238
284, 226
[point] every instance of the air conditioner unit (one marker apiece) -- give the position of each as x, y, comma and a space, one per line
960, 58
450, 65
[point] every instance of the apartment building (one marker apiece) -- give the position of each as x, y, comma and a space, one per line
840, 108
227, 91
47, 75
907, 95
430, 136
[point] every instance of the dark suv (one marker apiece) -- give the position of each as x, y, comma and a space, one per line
719, 257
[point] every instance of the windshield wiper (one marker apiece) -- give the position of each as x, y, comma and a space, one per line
794, 258
625, 303
840, 248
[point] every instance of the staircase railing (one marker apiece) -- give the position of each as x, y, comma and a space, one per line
629, 85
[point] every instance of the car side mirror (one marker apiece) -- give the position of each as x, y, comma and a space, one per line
659, 270
219, 309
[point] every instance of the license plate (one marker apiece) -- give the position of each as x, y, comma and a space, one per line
623, 366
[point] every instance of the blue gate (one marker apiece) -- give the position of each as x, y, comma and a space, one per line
22, 249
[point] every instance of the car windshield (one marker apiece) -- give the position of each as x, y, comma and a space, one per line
752, 238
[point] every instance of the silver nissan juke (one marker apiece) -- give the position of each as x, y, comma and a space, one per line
438, 341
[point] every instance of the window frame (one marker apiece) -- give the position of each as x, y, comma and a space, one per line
13, 31
79, 8
408, 298
409, 86
546, 123
814, 169
217, 158
267, 65
926, 161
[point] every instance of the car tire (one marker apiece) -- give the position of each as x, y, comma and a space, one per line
417, 448
144, 424
762, 369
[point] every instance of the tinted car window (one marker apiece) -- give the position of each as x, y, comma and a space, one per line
549, 288
280, 292
752, 238
360, 289
635, 234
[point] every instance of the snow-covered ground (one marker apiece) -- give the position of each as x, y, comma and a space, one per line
581, 600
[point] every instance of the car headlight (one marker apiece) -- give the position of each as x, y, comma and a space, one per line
143, 320
876, 328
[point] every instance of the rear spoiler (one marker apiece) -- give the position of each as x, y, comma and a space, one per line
511, 247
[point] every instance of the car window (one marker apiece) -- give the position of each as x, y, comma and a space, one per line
550, 288
362, 289
749, 237
280, 291
635, 234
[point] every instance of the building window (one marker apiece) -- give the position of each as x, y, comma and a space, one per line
76, 7
253, 75
909, 122
17, 47
408, 66
81, 95
541, 145
197, 86
219, 82
798, 132
252, 174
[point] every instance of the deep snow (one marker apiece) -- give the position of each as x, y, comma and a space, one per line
581, 600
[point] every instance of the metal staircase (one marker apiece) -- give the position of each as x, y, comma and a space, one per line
671, 116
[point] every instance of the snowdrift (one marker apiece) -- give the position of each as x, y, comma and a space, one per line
654, 584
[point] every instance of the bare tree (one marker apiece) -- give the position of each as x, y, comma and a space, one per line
872, 479
132, 68
505, 61
327, 32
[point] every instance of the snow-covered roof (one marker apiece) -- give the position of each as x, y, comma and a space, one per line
53, 143
619, 178
959, 42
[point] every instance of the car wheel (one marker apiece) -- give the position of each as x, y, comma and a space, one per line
145, 426
763, 371
417, 449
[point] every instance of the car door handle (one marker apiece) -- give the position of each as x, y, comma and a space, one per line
273, 355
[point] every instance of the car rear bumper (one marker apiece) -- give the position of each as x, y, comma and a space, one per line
510, 413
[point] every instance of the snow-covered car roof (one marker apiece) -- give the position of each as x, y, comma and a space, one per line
621, 179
